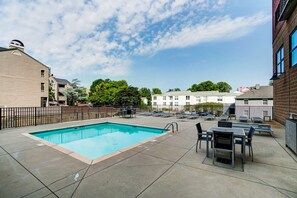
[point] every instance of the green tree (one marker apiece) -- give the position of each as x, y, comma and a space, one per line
204, 86
224, 87
72, 96
75, 83
157, 91
51, 94
94, 84
175, 89
146, 92
128, 97
105, 92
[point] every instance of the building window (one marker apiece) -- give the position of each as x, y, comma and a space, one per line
155, 103
220, 98
42, 73
176, 104
246, 101
42, 87
155, 97
170, 97
265, 113
187, 103
164, 97
265, 101
198, 99
187, 97
164, 103
293, 51
280, 61
171, 103
176, 98
246, 112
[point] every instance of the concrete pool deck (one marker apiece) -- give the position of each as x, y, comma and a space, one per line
165, 167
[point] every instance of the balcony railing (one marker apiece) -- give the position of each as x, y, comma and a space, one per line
285, 9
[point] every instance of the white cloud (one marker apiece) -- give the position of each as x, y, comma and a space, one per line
99, 35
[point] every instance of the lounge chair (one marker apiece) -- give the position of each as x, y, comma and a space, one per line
166, 115
224, 118
257, 119
209, 117
181, 116
243, 118
193, 116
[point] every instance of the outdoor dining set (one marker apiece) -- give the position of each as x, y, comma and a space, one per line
223, 139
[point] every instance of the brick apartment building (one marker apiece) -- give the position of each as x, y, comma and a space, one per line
284, 35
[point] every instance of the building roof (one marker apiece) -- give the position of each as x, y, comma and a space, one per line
262, 92
2, 49
61, 81
198, 93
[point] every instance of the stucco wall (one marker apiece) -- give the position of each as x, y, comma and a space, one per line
20, 80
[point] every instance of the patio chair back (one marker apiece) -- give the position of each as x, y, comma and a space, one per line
224, 124
250, 135
199, 130
223, 140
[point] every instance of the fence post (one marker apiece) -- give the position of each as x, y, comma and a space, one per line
61, 114
82, 113
35, 116
0, 118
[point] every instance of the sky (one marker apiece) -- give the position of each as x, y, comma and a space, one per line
149, 43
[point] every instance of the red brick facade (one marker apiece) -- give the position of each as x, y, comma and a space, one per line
285, 88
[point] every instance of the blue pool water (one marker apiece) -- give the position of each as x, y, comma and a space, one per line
93, 141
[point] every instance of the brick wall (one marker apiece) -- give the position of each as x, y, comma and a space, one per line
285, 89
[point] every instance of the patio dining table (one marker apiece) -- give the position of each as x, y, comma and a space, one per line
237, 132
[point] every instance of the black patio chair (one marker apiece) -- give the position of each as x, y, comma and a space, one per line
248, 142
223, 142
201, 136
224, 124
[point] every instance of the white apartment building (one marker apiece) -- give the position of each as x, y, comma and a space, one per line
258, 102
178, 99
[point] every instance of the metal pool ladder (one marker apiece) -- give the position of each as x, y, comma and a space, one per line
172, 124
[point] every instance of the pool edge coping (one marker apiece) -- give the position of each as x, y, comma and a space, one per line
97, 160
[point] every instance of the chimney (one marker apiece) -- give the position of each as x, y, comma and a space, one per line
16, 44
257, 86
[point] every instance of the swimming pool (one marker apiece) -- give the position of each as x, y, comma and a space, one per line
95, 141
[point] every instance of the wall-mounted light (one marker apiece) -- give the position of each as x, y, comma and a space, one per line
274, 77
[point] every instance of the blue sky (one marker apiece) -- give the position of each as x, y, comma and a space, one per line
148, 43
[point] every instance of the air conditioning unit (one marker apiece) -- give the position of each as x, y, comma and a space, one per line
291, 134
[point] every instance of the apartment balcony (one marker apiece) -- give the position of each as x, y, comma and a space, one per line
62, 98
285, 9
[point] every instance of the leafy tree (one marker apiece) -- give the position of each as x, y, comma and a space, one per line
82, 95
51, 94
175, 89
224, 87
128, 97
210, 86
157, 91
146, 92
72, 96
105, 92
94, 84
75, 83
204, 86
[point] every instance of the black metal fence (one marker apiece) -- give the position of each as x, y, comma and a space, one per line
31, 116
